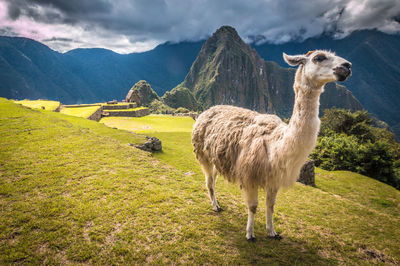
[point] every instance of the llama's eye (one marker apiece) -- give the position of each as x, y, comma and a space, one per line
319, 58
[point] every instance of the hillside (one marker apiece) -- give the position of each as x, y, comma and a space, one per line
227, 71
74, 191
32, 70
29, 69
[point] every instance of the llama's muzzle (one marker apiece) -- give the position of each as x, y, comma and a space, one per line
342, 72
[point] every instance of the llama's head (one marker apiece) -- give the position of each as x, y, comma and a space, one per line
320, 66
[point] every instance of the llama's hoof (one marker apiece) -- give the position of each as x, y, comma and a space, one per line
217, 209
251, 239
276, 237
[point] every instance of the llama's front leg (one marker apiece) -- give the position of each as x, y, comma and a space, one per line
271, 198
251, 198
211, 178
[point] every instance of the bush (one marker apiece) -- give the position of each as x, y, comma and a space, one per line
158, 107
180, 97
182, 110
350, 141
336, 152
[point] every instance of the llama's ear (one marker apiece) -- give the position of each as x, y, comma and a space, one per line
294, 60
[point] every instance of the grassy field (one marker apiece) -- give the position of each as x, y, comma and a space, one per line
38, 104
151, 123
84, 112
74, 191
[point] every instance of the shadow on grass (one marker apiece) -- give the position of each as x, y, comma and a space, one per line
264, 250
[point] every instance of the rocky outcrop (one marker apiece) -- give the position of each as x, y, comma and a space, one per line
307, 174
152, 145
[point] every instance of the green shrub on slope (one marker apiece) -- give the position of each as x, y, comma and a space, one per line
350, 141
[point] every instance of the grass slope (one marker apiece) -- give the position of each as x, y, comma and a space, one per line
348, 218
73, 191
38, 104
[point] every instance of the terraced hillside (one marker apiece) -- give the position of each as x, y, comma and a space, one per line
74, 191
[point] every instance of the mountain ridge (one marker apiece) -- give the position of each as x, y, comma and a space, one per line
374, 82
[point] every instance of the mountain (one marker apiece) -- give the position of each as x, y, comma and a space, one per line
228, 71
29, 69
145, 92
111, 74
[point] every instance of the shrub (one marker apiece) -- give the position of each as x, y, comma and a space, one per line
336, 152
350, 141
158, 107
182, 110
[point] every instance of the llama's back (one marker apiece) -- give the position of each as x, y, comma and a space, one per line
223, 134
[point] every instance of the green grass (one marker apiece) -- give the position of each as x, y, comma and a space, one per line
84, 112
151, 123
48, 105
73, 191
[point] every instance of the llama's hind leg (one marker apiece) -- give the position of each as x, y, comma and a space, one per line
271, 198
211, 176
251, 199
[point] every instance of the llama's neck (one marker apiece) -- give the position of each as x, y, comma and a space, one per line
301, 134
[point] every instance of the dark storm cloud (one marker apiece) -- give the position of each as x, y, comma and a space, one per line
177, 20
69, 7
54, 39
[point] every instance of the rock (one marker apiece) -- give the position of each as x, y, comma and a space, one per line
112, 102
307, 174
194, 115
153, 144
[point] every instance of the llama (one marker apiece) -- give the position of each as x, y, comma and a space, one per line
259, 150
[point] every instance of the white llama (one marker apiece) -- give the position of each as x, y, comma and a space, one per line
259, 150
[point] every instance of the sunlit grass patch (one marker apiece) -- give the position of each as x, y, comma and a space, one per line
39, 104
84, 112
151, 123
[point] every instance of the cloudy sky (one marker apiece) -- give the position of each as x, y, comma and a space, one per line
138, 25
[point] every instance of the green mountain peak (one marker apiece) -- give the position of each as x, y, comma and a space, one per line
145, 92
228, 71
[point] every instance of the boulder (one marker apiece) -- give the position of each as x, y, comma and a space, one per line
307, 174
151, 145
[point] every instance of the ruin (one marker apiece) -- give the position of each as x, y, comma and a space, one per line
132, 96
